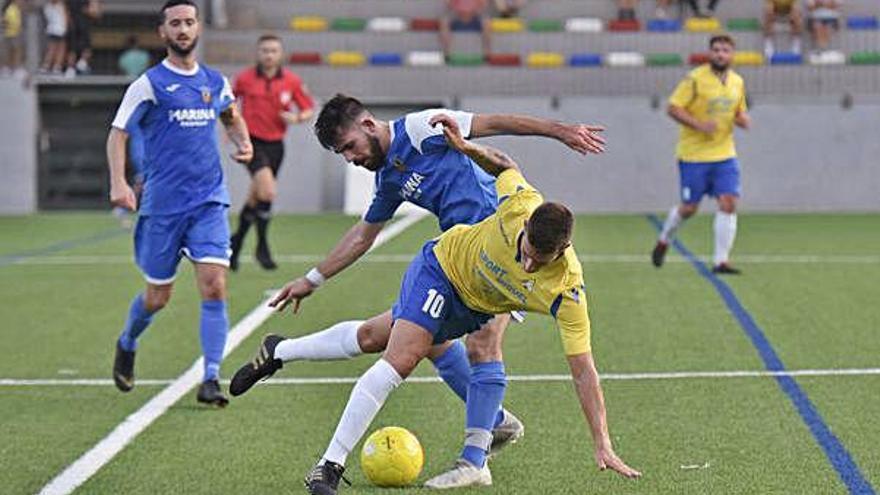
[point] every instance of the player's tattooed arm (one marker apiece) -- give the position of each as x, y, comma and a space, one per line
492, 160
237, 131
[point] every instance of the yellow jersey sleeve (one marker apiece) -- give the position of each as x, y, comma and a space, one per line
742, 106
509, 183
684, 93
573, 321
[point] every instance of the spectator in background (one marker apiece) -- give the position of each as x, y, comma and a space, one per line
465, 15
626, 9
134, 60
13, 39
824, 19
509, 8
55, 14
82, 14
788, 11
698, 11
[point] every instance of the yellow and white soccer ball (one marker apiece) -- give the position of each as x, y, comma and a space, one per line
392, 456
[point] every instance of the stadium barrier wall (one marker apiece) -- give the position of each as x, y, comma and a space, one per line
18, 148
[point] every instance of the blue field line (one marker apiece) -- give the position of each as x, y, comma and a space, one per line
834, 450
101, 235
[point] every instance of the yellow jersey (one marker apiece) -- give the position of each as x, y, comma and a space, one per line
12, 21
482, 262
705, 97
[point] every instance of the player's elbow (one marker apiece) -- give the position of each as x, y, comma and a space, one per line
673, 111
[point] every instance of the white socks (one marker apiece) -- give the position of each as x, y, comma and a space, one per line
337, 342
673, 220
725, 233
366, 399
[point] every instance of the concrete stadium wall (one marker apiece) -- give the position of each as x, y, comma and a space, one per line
18, 163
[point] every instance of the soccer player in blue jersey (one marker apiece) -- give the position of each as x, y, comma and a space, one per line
176, 105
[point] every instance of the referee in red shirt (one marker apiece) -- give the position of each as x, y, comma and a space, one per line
267, 94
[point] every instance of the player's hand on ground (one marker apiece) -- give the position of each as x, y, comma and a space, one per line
607, 459
450, 130
583, 138
708, 127
244, 152
122, 195
294, 292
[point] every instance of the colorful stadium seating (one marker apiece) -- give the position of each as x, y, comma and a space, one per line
348, 24
545, 60
346, 59
546, 25
387, 24
744, 24
625, 59
309, 23
504, 59
425, 59
305, 58
424, 24
620, 26
585, 60
506, 25
583, 25
663, 26
698, 58
702, 25
865, 58
663, 59
862, 23
828, 57
386, 59
786, 58
465, 59
748, 58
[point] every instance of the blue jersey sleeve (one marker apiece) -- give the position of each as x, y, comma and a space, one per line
382, 208
138, 99
227, 98
427, 139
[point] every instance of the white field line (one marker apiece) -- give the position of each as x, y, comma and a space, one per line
89, 463
406, 258
643, 376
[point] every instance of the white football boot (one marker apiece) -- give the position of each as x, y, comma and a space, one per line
463, 474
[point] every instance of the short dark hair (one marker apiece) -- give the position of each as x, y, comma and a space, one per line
722, 38
550, 228
175, 3
269, 37
337, 115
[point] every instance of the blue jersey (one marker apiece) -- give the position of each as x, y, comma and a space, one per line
136, 149
177, 113
422, 169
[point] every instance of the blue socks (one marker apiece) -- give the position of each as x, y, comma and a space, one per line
212, 331
485, 394
137, 322
454, 368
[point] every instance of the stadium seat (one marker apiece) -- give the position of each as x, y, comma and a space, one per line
546, 25
545, 60
748, 58
625, 59
504, 59
346, 59
862, 23
628, 25
585, 60
305, 58
865, 58
702, 25
386, 59
786, 58
663, 26
828, 57
465, 59
583, 25
698, 58
425, 59
424, 24
348, 24
506, 25
386, 24
309, 23
663, 59
744, 24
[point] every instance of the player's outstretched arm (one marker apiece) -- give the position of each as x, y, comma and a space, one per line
236, 129
492, 160
354, 244
121, 194
583, 138
589, 392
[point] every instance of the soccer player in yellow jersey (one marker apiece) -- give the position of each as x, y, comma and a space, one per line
707, 104
519, 258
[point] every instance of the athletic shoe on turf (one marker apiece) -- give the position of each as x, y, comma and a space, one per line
507, 433
123, 369
210, 393
725, 269
235, 246
261, 367
323, 479
463, 474
264, 257
659, 253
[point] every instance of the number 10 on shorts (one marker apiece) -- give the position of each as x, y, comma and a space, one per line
433, 303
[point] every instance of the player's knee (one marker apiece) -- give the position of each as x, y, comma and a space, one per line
154, 300
266, 194
403, 363
371, 339
213, 288
482, 350
687, 210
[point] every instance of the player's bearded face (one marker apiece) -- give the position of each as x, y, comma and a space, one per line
721, 56
180, 31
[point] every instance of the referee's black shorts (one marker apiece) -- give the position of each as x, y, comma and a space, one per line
266, 154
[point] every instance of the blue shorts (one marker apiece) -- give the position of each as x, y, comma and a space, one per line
428, 299
202, 235
712, 178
